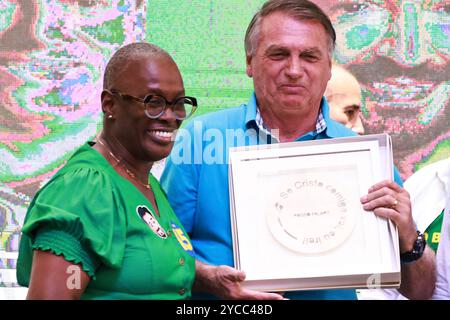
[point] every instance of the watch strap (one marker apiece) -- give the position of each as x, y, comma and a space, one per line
417, 251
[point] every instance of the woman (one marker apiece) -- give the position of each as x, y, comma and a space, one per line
102, 228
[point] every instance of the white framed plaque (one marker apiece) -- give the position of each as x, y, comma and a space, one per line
297, 221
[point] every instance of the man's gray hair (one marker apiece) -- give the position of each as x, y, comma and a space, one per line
125, 54
299, 10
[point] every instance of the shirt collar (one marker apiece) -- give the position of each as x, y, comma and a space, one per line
250, 116
332, 130
323, 124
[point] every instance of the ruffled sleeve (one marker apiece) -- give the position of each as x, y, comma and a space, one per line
77, 214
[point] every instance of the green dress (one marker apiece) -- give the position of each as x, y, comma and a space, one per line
94, 217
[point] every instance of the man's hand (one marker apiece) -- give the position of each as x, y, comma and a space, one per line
225, 283
387, 199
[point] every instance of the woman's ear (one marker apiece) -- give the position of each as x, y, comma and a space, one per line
108, 107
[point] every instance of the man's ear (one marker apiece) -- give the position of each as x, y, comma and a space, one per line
330, 68
249, 70
108, 107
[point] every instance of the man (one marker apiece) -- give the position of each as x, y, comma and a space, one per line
399, 52
343, 95
289, 45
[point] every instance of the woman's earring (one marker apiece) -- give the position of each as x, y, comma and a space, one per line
110, 116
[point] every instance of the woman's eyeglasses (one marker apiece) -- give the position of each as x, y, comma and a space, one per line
155, 105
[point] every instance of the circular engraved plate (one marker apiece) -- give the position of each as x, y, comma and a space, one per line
310, 216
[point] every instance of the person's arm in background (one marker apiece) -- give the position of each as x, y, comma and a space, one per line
54, 278
442, 290
387, 199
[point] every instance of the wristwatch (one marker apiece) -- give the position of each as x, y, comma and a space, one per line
417, 251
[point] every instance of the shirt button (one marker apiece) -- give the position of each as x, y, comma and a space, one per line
182, 292
181, 261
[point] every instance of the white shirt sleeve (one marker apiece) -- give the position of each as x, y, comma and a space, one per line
442, 290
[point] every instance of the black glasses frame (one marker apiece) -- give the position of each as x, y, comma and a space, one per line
148, 97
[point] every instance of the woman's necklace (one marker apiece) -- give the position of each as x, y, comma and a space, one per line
123, 165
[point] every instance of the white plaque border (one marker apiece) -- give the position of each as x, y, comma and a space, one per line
388, 266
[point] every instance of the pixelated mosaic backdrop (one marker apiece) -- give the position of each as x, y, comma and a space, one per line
52, 54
